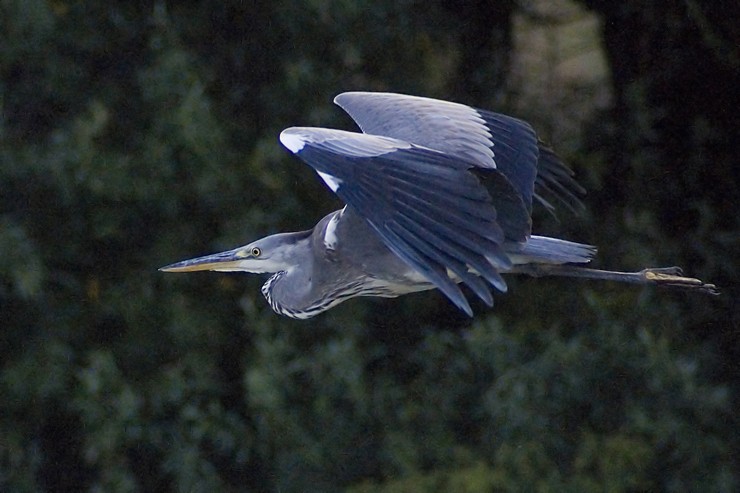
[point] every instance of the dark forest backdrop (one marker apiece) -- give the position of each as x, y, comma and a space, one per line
134, 134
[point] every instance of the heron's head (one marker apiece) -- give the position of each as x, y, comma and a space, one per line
271, 254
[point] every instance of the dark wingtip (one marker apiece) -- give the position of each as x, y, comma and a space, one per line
465, 306
555, 178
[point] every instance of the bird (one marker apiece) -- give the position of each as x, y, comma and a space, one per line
437, 194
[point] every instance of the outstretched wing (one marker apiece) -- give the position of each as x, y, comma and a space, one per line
427, 207
488, 139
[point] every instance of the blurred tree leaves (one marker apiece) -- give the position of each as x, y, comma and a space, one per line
135, 134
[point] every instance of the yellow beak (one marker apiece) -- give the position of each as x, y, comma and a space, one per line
222, 262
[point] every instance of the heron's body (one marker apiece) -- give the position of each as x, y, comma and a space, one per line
438, 194
331, 272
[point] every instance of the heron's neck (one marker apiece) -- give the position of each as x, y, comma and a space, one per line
289, 292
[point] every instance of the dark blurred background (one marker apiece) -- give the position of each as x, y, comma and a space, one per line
135, 134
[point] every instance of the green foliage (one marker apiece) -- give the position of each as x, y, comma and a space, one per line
133, 135
22, 266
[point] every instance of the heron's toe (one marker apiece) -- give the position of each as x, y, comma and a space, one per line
671, 276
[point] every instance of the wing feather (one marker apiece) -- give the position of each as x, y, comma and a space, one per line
485, 138
428, 208
433, 271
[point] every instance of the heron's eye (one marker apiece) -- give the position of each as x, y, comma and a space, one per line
256, 252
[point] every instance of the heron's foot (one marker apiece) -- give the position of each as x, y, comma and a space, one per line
673, 277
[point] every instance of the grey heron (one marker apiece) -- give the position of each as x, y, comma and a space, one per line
437, 194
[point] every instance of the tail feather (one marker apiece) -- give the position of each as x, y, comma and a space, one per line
545, 250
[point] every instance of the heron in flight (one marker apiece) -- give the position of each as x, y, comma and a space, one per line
437, 194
